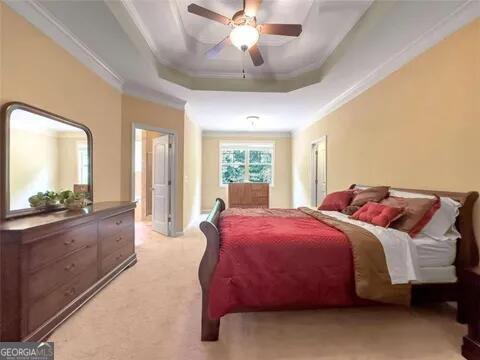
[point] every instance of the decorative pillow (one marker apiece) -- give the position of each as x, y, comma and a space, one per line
373, 194
378, 214
350, 210
337, 201
418, 212
443, 220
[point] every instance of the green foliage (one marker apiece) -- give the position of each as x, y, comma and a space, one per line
52, 198
47, 198
260, 173
259, 166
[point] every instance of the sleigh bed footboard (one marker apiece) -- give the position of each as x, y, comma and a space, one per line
210, 228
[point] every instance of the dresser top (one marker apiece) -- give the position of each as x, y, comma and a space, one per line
32, 221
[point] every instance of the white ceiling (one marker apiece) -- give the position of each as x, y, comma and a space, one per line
180, 39
130, 42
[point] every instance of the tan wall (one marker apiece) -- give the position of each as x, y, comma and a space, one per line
192, 171
28, 177
417, 128
135, 110
37, 71
280, 193
68, 160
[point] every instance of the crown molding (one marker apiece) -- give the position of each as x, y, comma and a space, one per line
36, 14
464, 14
146, 93
246, 134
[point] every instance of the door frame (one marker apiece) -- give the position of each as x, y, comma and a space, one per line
172, 159
323, 138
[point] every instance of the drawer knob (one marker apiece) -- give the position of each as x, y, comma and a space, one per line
119, 239
69, 292
70, 267
69, 242
118, 222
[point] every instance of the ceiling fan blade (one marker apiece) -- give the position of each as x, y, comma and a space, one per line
212, 15
256, 55
250, 7
214, 51
281, 29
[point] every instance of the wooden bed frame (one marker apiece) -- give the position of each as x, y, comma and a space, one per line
467, 257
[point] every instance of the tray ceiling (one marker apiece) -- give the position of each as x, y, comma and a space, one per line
154, 49
180, 39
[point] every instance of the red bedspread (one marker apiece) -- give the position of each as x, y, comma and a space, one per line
280, 258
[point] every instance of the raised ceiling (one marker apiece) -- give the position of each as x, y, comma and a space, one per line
154, 49
180, 39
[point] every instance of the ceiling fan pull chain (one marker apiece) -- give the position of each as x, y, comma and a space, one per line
243, 66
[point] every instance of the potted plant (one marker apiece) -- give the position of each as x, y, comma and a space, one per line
74, 200
47, 199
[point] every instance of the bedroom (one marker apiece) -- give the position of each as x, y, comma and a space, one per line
392, 87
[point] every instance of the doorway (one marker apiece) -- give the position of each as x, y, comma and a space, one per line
319, 170
153, 177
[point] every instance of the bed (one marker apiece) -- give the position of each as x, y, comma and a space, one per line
285, 259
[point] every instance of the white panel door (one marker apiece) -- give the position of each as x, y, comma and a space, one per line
160, 185
319, 171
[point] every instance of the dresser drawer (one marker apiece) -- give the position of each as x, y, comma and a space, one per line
116, 224
43, 309
61, 272
55, 246
123, 238
116, 258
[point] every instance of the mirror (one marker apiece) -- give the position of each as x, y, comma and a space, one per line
44, 152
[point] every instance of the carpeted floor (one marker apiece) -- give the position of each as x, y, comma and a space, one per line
152, 311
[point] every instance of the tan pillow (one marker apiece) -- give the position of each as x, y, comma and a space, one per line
373, 194
418, 211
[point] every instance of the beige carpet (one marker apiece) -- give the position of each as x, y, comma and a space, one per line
152, 311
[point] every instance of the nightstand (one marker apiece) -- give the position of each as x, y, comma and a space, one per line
470, 301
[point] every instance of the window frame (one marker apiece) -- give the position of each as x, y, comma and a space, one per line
247, 146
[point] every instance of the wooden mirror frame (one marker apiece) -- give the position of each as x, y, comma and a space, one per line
6, 111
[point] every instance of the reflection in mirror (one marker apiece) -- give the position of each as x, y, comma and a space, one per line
44, 154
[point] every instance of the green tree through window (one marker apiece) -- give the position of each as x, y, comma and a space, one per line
246, 162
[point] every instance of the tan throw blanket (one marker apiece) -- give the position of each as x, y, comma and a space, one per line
372, 280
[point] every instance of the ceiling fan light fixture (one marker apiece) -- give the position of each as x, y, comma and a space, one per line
244, 37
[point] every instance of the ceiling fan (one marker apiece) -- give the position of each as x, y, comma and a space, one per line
245, 30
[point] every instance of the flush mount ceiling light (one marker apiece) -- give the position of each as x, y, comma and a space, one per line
245, 30
253, 120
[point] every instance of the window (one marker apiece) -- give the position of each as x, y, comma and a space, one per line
83, 166
252, 162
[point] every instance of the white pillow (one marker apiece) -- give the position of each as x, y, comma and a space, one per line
442, 221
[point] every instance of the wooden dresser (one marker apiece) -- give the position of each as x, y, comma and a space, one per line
248, 195
52, 263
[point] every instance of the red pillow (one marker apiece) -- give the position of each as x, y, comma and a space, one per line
378, 214
337, 201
